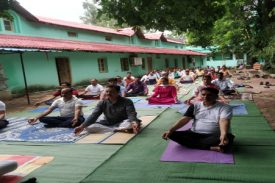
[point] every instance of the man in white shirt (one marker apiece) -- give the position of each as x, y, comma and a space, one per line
210, 128
225, 85
92, 91
3, 122
70, 109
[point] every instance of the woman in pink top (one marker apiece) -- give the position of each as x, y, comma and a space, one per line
164, 94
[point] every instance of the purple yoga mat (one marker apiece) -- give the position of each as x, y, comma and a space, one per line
177, 153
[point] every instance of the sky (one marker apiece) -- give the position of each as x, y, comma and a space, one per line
69, 10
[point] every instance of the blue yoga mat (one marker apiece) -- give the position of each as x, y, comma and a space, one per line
146, 105
135, 99
88, 101
19, 130
42, 109
239, 109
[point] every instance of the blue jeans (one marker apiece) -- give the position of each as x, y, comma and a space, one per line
57, 121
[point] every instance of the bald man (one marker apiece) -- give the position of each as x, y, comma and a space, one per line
70, 108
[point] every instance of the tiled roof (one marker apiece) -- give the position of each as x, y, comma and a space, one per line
130, 31
153, 36
175, 40
14, 41
79, 25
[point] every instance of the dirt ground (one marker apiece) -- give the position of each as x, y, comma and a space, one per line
263, 97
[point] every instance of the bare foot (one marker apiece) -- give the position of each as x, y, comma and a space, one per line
217, 148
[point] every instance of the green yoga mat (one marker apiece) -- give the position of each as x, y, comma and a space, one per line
72, 162
138, 161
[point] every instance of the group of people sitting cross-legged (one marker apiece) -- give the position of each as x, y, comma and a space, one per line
114, 112
119, 113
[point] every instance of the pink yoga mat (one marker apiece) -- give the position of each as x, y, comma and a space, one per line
175, 152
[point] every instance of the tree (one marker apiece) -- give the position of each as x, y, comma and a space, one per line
4, 7
92, 16
232, 25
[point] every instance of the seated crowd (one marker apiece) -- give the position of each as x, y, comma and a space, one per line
115, 112
208, 111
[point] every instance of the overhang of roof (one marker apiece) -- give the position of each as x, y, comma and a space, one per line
23, 12
130, 31
29, 42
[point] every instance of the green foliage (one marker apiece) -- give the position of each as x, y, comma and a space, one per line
4, 6
163, 14
232, 25
92, 16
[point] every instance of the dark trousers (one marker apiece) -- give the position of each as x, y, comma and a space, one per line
3, 123
186, 82
135, 94
228, 92
89, 97
65, 122
152, 81
199, 141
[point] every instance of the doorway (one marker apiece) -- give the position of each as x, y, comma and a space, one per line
63, 70
149, 64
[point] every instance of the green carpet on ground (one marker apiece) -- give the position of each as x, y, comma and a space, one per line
72, 162
138, 161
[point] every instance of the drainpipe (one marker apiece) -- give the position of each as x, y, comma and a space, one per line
24, 76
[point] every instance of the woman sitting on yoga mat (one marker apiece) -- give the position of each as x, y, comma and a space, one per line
211, 126
164, 93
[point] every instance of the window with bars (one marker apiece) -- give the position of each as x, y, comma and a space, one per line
102, 65
124, 62
8, 25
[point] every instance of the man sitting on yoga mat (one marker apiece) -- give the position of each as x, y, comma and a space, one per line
136, 88
206, 83
119, 114
211, 127
49, 101
70, 112
92, 91
224, 84
3, 122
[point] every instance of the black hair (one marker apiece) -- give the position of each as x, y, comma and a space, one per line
66, 83
207, 76
211, 90
116, 87
112, 80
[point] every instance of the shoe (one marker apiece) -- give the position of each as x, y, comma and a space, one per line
261, 83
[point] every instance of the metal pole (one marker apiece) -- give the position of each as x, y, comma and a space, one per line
24, 76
